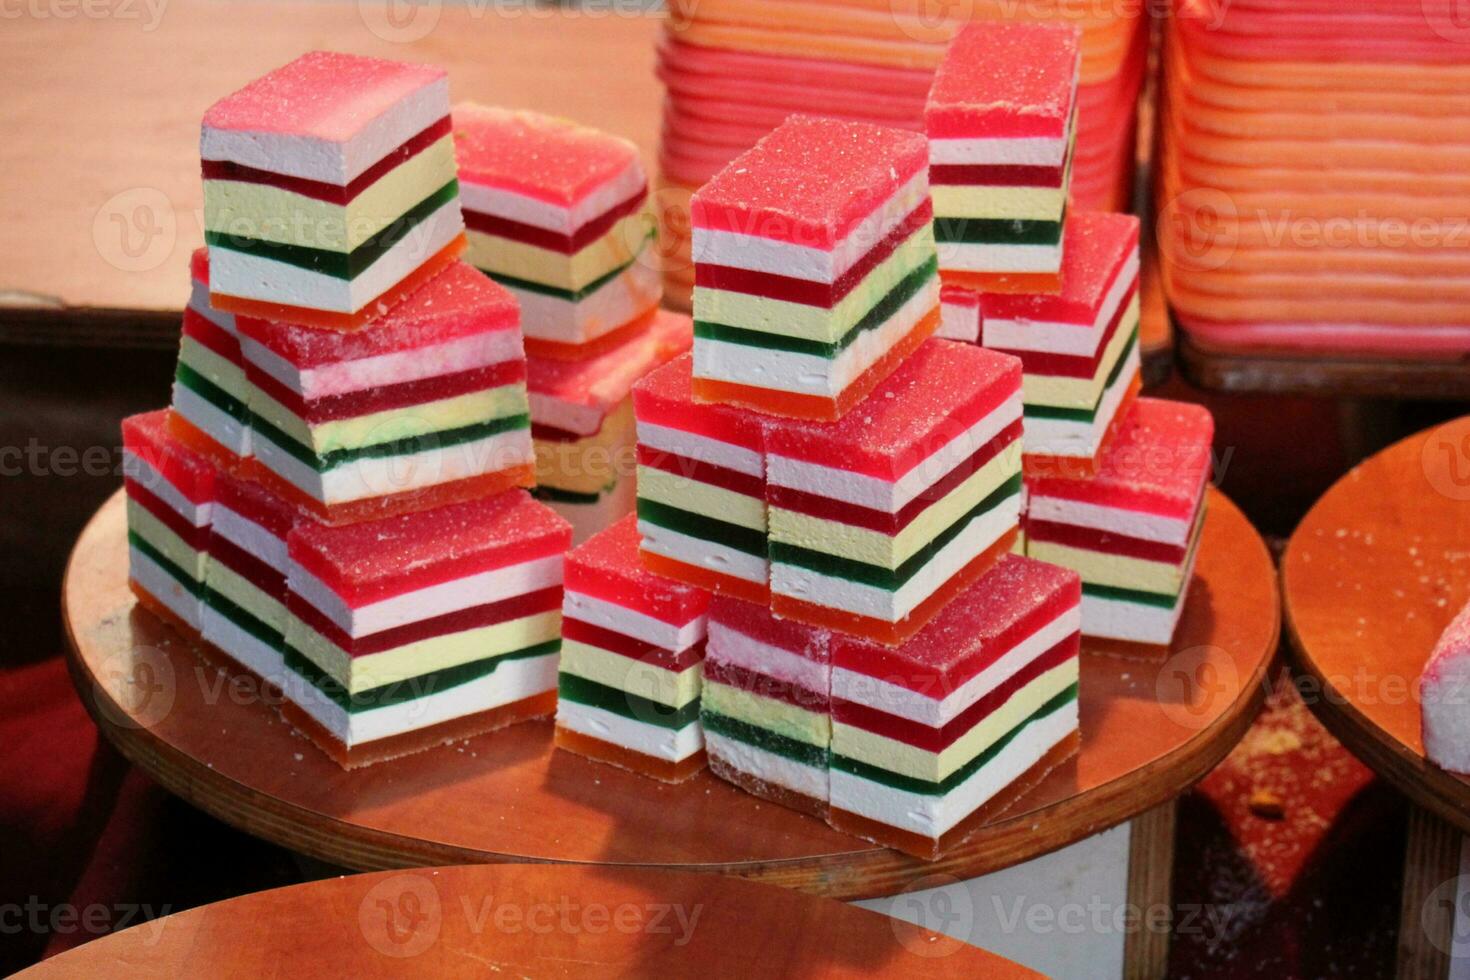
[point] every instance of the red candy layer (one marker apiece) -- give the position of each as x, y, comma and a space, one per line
377, 559
760, 624
147, 437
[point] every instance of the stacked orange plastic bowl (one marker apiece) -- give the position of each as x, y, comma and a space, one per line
1314, 176
734, 69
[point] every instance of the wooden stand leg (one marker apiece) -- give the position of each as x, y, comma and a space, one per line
1434, 901
1099, 908
1150, 886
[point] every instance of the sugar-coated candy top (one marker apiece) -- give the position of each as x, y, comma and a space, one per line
665, 397
1096, 246
458, 302
375, 559
604, 380
606, 566
258, 503
544, 157
146, 437
978, 627
1003, 80
1453, 643
810, 181
322, 95
760, 624
1158, 462
938, 393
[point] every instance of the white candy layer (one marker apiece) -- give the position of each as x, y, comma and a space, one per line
602, 311
250, 537
1026, 151
512, 681
1142, 525
701, 448
138, 469
233, 273
892, 606
990, 258
333, 163
220, 426
631, 622
163, 587
503, 203
1064, 437
398, 474
811, 374
702, 554
730, 646
931, 816
667, 744
430, 361
199, 303
768, 767
1135, 622
261, 659
1058, 337
959, 321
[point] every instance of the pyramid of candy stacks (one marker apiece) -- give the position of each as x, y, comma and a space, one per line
1312, 176
336, 500
826, 596
735, 69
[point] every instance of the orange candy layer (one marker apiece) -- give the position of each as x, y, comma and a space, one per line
894, 634
1007, 282
624, 758
328, 320
711, 581
201, 442
812, 407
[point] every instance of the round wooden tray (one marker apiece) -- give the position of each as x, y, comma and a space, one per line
528, 920
1149, 730
1371, 578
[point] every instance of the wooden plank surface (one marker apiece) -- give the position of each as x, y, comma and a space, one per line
529, 921
100, 195
1149, 730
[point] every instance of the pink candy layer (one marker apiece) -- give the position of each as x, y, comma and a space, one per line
543, 157
811, 181
1004, 80
322, 95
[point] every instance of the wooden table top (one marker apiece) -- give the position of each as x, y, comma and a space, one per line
100, 195
528, 920
1371, 577
1149, 730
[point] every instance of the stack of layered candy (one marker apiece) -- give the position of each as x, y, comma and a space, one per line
735, 69
333, 500
557, 214
849, 490
1312, 177
1115, 484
